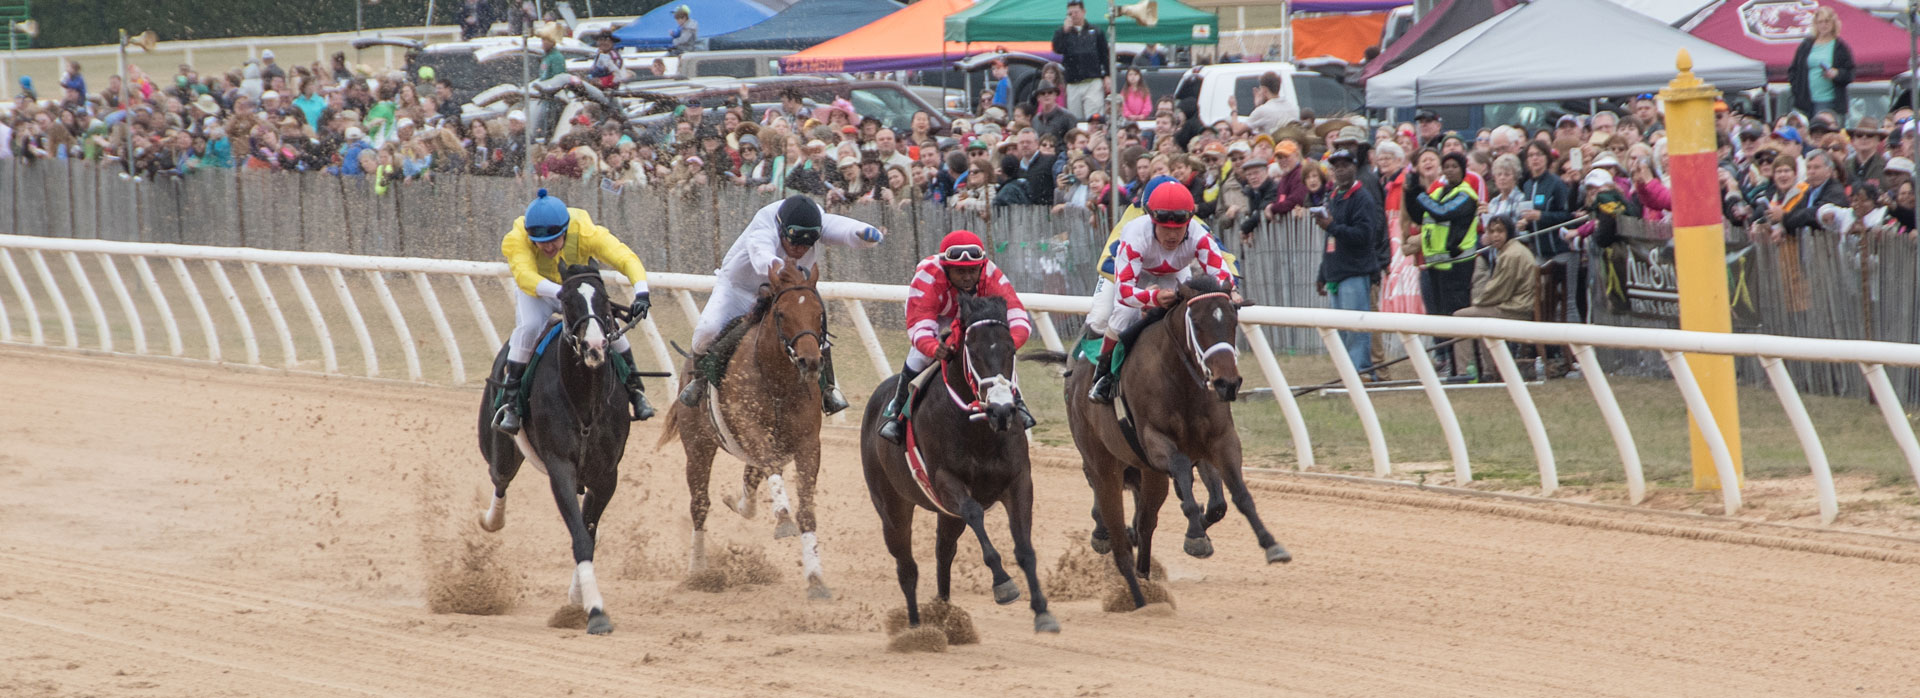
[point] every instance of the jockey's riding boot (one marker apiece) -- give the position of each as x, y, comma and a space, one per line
507, 419
893, 426
1103, 381
1026, 415
831, 401
636, 391
696, 382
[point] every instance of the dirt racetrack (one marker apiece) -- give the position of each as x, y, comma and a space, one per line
175, 530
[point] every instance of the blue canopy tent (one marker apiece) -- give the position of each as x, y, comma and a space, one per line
653, 31
806, 23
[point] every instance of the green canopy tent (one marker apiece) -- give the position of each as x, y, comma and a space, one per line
1036, 20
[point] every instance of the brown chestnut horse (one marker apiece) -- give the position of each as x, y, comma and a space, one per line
766, 412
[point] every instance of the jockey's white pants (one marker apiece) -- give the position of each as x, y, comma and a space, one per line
1125, 316
725, 304
916, 361
530, 315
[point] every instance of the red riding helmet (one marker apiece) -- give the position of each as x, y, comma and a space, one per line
962, 248
1170, 205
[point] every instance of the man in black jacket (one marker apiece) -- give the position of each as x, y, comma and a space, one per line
1083, 56
1354, 223
1051, 120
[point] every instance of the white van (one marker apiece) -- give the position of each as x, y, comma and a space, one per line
1310, 90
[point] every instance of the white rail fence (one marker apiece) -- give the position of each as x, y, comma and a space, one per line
107, 257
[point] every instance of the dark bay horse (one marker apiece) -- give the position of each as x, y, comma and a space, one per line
575, 429
1179, 380
978, 453
766, 412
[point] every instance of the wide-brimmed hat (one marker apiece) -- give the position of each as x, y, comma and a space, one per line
206, 104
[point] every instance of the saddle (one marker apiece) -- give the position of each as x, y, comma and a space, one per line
1090, 347
713, 366
547, 335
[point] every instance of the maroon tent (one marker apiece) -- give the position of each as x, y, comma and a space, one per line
1439, 24
1770, 31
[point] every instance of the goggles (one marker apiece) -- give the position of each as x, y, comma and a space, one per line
1172, 217
803, 235
545, 233
964, 253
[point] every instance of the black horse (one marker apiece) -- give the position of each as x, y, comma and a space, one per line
575, 432
978, 454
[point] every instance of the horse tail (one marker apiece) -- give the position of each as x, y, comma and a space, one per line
1045, 357
671, 427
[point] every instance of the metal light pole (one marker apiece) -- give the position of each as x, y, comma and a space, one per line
1114, 111
526, 102
1913, 56
126, 110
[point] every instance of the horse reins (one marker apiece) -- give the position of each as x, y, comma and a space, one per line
1200, 355
979, 386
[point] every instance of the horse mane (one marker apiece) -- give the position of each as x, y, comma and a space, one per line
761, 307
1202, 284
976, 308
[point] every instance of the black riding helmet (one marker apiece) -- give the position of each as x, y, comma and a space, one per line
799, 221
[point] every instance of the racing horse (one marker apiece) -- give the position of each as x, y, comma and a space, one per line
765, 411
980, 455
575, 431
1176, 391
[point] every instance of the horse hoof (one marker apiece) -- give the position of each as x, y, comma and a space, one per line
745, 509
1199, 547
1045, 623
1006, 592
818, 591
598, 623
492, 524
1102, 545
1278, 554
785, 529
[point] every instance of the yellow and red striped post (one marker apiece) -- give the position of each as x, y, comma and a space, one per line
1700, 256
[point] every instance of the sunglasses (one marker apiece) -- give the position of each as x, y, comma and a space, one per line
1172, 217
545, 233
964, 253
801, 234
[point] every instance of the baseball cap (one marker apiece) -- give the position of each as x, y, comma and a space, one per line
977, 144
1597, 178
1287, 147
269, 94
267, 54
1426, 115
517, 115
1900, 165
1788, 133
750, 140
1341, 154
1566, 119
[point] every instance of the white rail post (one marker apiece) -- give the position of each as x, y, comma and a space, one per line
1529, 414
480, 315
1809, 439
1709, 428
1282, 393
274, 316
399, 322
199, 306
688, 307
6, 322
329, 360
100, 324
175, 346
225, 286
1442, 405
132, 312
455, 362
39, 262
864, 327
27, 306
659, 345
355, 320
1049, 335
1362, 403
1616, 421
1895, 416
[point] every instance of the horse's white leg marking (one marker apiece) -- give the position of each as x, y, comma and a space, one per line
810, 557
496, 515
743, 506
698, 563
777, 492
589, 589
573, 590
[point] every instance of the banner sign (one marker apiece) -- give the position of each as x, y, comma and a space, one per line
1641, 280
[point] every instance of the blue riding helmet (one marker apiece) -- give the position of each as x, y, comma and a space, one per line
546, 218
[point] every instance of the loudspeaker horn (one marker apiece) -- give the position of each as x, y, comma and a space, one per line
1147, 12
146, 40
29, 27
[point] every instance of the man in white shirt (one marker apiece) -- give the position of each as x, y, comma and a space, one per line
1276, 107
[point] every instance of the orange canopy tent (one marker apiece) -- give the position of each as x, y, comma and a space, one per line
1345, 37
906, 40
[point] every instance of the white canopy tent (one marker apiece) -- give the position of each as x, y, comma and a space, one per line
1549, 50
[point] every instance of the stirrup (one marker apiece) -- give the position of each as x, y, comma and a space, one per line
894, 430
1102, 391
1026, 415
695, 390
831, 401
506, 421
642, 410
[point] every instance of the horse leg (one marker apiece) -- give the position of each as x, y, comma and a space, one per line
1107, 499
1146, 517
896, 524
1099, 541
504, 464
749, 481
806, 467
562, 475
1216, 494
1181, 468
1019, 504
1243, 500
783, 526
1005, 591
699, 474
946, 545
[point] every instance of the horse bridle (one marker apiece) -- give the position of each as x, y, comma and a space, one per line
981, 386
575, 326
1198, 354
821, 335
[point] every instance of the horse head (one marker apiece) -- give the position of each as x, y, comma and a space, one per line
799, 316
1208, 319
986, 352
585, 309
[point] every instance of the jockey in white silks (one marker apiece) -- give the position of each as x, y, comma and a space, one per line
780, 231
1153, 258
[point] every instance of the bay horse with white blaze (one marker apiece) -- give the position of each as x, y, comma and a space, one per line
979, 455
575, 431
1177, 387
766, 412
